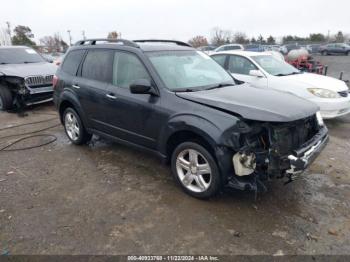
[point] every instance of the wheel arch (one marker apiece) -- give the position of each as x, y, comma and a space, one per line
188, 135
68, 100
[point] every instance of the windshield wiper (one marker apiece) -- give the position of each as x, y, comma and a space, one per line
3, 63
185, 90
293, 73
28, 62
219, 86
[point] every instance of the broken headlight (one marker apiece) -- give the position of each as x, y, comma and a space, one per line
244, 163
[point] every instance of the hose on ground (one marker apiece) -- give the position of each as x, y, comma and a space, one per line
32, 134
7, 147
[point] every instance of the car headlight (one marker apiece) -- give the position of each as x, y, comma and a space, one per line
324, 93
319, 119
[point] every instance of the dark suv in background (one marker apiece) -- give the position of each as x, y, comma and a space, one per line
174, 101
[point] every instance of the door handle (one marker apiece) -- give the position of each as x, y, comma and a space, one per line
76, 86
111, 96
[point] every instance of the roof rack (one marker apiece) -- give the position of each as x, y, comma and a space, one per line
162, 41
93, 42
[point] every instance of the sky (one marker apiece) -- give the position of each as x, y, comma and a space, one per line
176, 19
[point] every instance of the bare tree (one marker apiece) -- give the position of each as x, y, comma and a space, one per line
220, 36
198, 41
240, 38
261, 39
113, 35
54, 43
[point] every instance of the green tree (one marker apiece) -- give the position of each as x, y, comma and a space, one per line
253, 40
22, 35
271, 40
339, 37
317, 38
287, 39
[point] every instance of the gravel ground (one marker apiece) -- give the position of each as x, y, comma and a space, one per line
104, 198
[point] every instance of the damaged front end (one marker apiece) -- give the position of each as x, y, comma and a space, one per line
28, 90
276, 150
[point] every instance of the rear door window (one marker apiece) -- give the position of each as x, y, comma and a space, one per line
98, 65
72, 61
127, 68
220, 59
240, 65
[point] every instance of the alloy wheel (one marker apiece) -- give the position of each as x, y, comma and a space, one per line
72, 126
193, 170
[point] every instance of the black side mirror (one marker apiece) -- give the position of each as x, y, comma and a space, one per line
141, 86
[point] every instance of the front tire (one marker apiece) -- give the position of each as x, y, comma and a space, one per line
6, 99
195, 170
74, 127
324, 53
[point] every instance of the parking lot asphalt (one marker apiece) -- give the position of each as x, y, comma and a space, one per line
105, 198
336, 64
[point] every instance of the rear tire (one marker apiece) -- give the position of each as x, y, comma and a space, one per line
74, 127
324, 53
199, 175
6, 100
347, 53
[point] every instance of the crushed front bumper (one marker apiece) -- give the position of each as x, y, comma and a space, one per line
300, 159
38, 95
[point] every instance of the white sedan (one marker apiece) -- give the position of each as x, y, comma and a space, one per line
266, 71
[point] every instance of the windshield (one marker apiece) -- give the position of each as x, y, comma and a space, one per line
192, 70
19, 56
275, 66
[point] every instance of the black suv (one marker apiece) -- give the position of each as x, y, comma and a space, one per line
172, 100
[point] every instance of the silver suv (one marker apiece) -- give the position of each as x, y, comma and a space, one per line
25, 77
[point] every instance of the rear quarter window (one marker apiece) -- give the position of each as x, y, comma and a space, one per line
72, 61
220, 59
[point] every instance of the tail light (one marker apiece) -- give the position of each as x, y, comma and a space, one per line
54, 81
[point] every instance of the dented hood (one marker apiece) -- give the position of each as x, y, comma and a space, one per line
254, 103
30, 69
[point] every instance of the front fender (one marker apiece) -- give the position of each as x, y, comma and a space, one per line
189, 122
220, 138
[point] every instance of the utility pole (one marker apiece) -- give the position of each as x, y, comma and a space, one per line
328, 36
83, 33
9, 31
70, 38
